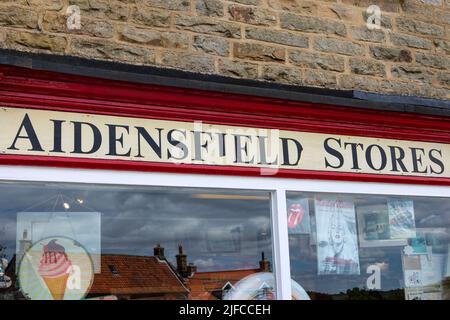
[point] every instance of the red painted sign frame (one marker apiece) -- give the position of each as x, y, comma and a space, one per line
34, 89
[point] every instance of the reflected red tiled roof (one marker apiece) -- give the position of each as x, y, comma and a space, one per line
135, 275
202, 284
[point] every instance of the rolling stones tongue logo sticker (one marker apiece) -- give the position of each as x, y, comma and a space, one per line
295, 216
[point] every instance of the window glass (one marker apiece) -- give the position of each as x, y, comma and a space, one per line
73, 241
345, 247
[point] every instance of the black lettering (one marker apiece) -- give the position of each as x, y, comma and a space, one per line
382, 155
354, 148
334, 153
221, 144
417, 159
78, 142
177, 143
113, 140
285, 148
239, 148
156, 147
436, 161
57, 135
397, 159
30, 135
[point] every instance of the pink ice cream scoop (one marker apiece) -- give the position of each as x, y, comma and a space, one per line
54, 261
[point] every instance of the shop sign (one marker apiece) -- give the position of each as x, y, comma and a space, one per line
76, 135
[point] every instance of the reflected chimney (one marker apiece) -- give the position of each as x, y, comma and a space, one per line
182, 266
158, 252
24, 245
264, 264
192, 269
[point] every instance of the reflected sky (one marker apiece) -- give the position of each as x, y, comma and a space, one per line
226, 231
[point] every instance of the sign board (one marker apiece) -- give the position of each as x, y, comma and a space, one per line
76, 135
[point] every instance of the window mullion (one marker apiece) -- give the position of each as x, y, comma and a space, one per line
281, 261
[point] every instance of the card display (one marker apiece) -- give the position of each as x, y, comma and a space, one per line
401, 219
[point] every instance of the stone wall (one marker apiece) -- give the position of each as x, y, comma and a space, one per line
312, 43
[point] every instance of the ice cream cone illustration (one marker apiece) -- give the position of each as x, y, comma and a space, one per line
54, 269
57, 286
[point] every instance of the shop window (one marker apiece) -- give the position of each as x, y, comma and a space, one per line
77, 241
345, 247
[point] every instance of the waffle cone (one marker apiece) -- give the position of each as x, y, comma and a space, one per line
57, 286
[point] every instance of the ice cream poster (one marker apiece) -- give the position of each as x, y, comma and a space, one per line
84, 227
401, 219
298, 216
337, 244
55, 268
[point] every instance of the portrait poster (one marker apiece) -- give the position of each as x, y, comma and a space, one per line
401, 219
298, 216
337, 244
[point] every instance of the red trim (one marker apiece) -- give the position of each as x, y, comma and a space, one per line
25, 88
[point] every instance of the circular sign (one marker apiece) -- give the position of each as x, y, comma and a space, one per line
56, 268
261, 286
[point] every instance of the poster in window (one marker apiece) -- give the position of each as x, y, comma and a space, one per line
413, 278
446, 277
447, 265
401, 219
373, 227
423, 275
337, 249
84, 227
437, 238
418, 244
414, 294
412, 272
298, 216
432, 269
376, 226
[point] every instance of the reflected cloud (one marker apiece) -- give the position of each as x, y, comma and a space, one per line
135, 219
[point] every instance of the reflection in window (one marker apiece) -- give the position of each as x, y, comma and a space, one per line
369, 247
68, 241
